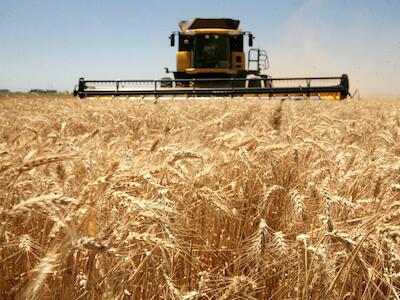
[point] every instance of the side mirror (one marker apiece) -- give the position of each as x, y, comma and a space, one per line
251, 40
172, 39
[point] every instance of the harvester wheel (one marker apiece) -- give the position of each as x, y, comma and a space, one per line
182, 83
267, 81
166, 82
253, 81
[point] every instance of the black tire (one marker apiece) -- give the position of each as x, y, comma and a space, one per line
254, 82
183, 83
166, 82
267, 81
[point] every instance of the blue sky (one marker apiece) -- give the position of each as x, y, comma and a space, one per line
50, 44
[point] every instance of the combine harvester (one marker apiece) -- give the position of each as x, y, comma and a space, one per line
211, 62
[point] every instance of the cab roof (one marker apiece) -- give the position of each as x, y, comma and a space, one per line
201, 23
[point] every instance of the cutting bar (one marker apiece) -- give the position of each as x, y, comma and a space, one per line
329, 87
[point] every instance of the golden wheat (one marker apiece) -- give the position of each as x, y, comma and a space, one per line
199, 199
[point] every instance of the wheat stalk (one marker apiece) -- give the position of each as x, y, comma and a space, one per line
198, 198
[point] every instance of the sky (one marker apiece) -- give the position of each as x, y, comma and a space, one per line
49, 44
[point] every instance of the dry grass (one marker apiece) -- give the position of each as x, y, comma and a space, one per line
117, 199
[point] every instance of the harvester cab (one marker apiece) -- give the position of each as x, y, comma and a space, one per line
214, 49
210, 60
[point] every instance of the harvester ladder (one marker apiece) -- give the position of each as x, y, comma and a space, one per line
259, 58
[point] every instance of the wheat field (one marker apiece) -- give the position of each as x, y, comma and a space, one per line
195, 199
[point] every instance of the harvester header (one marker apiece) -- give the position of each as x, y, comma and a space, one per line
210, 60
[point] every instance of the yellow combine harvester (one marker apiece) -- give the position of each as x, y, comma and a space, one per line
211, 62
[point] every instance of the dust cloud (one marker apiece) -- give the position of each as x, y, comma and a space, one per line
312, 48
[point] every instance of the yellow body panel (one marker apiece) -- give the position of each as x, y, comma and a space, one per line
323, 96
182, 60
330, 96
236, 65
210, 70
211, 31
183, 64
